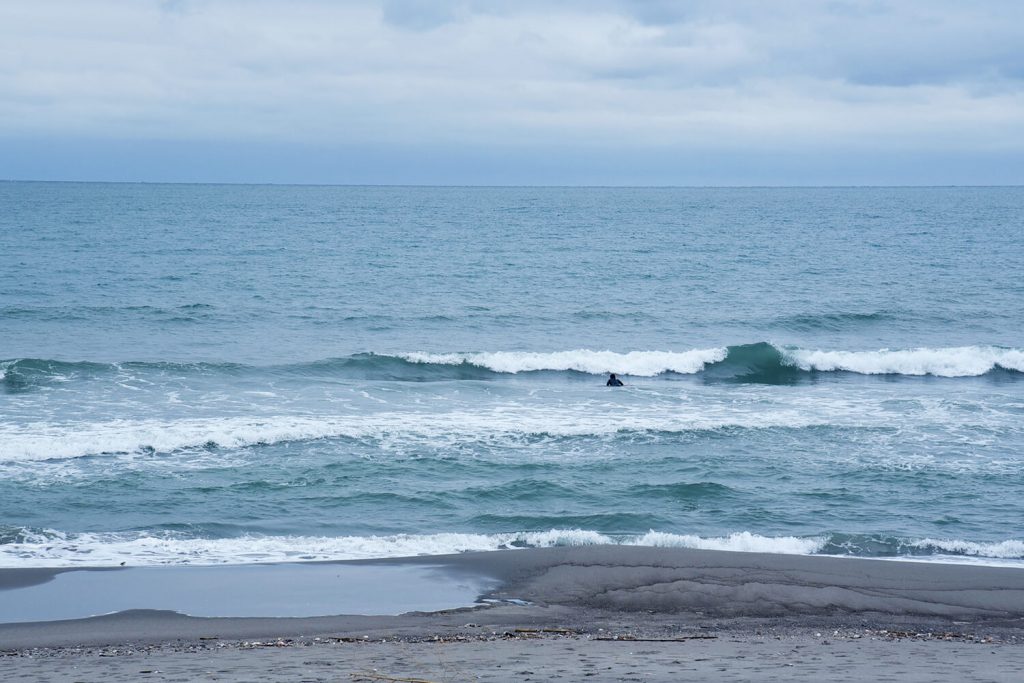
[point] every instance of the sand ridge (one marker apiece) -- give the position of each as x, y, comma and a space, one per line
591, 613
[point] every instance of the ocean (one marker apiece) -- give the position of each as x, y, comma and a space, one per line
231, 374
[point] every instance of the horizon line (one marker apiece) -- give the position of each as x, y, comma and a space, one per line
509, 186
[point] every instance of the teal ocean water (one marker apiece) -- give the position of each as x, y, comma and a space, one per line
232, 374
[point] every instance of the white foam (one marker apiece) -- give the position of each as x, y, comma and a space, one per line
739, 542
57, 549
962, 361
44, 440
957, 559
1001, 549
51, 548
636, 363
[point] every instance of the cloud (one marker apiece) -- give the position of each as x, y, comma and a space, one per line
417, 15
599, 74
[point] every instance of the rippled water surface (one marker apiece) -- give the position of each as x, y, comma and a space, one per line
231, 374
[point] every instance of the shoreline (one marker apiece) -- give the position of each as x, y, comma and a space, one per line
573, 585
604, 612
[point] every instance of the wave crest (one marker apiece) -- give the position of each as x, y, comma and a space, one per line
1000, 549
962, 361
635, 363
760, 362
50, 548
45, 441
753, 362
21, 547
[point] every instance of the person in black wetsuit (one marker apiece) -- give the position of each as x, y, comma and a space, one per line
613, 381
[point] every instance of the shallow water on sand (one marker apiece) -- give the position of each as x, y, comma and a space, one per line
255, 590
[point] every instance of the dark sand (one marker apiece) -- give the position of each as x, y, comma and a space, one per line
594, 613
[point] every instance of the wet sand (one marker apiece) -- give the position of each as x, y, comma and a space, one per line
596, 613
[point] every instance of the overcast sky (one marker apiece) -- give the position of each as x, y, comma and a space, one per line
521, 92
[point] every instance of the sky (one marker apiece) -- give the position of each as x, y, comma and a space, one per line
526, 92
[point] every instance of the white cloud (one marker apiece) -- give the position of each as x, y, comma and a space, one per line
606, 72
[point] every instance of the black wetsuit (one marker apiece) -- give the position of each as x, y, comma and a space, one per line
613, 382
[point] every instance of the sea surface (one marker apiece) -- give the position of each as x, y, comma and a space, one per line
218, 374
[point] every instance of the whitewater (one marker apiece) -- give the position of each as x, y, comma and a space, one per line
952, 362
239, 374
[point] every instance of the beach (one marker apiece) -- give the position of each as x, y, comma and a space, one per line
595, 613
738, 657
323, 433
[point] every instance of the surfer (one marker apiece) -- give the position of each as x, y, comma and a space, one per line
613, 381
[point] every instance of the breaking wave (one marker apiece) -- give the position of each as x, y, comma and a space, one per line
964, 361
21, 547
753, 362
760, 362
45, 441
635, 363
